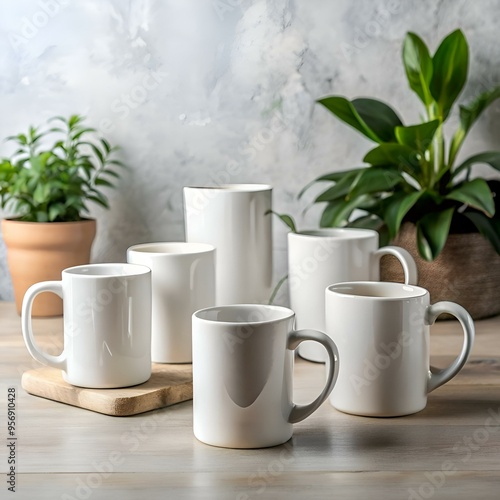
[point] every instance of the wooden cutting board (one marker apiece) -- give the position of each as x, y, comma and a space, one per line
169, 384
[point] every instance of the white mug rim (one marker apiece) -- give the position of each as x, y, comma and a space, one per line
129, 270
401, 291
234, 188
337, 233
171, 249
286, 313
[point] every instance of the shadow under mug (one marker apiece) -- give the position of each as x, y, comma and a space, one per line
382, 334
107, 325
242, 375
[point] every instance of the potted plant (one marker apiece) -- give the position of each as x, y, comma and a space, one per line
48, 189
412, 188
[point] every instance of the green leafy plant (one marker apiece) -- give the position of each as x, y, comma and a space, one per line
54, 184
412, 173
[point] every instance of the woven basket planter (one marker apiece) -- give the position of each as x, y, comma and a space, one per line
466, 272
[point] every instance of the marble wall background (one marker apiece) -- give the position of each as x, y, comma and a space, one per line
188, 87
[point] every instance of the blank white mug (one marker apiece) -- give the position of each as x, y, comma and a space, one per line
107, 325
183, 281
242, 375
322, 257
234, 219
382, 334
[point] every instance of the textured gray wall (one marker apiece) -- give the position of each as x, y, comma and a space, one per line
190, 87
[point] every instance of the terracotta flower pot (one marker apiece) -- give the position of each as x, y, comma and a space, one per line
466, 272
39, 251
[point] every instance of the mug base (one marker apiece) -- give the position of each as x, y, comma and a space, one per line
115, 385
379, 413
241, 445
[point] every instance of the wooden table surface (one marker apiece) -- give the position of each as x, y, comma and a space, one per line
449, 450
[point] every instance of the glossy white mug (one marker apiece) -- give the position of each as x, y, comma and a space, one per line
382, 334
242, 375
183, 281
107, 325
322, 257
233, 219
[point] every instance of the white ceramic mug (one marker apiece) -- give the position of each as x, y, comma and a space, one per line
107, 325
183, 281
382, 334
233, 219
242, 375
322, 257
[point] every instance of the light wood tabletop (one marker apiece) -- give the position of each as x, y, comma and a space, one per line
449, 450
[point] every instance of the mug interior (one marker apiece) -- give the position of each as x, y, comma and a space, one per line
338, 233
244, 313
172, 248
107, 270
377, 290
235, 187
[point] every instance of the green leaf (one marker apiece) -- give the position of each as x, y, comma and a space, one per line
110, 173
343, 109
106, 145
468, 116
488, 227
277, 289
417, 137
450, 66
475, 193
340, 189
397, 206
490, 157
432, 233
366, 222
333, 176
55, 211
337, 212
41, 193
375, 179
100, 200
102, 182
379, 117
418, 66
395, 154
287, 219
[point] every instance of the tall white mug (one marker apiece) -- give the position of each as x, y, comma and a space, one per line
382, 334
107, 325
322, 257
233, 219
242, 375
183, 281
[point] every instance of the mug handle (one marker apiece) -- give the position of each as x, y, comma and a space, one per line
438, 377
409, 266
295, 338
27, 327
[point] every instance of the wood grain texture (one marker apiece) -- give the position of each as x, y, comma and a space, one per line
168, 385
154, 455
